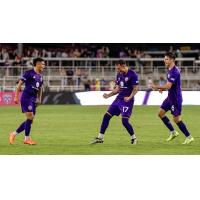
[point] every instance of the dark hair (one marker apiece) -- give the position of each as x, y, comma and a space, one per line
37, 60
120, 62
171, 55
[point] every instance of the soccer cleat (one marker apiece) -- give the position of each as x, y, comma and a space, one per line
134, 141
11, 138
97, 140
188, 140
172, 136
29, 141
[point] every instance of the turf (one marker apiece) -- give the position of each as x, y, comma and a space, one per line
68, 130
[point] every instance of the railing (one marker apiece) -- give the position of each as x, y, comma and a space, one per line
101, 68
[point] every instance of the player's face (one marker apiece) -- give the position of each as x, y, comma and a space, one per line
168, 61
41, 66
120, 68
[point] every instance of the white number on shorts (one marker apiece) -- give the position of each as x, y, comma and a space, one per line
172, 108
125, 109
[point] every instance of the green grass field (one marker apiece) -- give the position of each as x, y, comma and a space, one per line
68, 130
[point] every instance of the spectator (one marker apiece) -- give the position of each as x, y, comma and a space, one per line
63, 77
70, 74
64, 54
93, 85
5, 54
111, 85
78, 76
162, 80
87, 84
103, 85
98, 86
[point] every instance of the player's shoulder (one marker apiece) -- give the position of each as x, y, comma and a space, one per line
176, 70
132, 72
29, 71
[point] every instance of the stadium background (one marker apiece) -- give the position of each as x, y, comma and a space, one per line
78, 73
73, 68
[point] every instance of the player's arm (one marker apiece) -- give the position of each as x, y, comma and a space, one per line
17, 91
114, 92
39, 96
133, 93
166, 86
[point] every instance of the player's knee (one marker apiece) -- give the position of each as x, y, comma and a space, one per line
177, 120
30, 116
108, 115
160, 115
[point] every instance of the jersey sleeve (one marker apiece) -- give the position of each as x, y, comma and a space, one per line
117, 80
24, 77
134, 79
172, 77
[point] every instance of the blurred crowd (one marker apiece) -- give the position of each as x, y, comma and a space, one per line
78, 77
11, 52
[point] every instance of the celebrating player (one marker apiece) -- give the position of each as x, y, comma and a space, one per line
30, 98
126, 88
174, 100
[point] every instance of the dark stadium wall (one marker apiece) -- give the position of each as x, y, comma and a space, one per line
59, 98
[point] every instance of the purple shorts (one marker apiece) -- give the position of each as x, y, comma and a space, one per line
119, 106
175, 108
28, 106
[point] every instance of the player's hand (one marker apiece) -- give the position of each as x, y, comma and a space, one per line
16, 100
152, 86
160, 90
127, 99
105, 96
38, 102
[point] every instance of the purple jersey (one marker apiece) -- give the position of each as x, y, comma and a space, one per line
33, 83
174, 93
126, 82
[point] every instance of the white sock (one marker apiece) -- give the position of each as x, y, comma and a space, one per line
101, 136
15, 132
172, 132
26, 137
133, 136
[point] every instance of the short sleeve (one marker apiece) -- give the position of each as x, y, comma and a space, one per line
172, 77
24, 77
117, 80
134, 79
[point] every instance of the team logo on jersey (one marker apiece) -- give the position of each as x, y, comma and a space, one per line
34, 77
126, 79
30, 107
37, 84
121, 83
7, 98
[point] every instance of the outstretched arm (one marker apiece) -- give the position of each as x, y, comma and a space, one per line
167, 86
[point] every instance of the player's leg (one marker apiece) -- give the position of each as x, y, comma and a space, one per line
126, 112
130, 130
112, 110
104, 126
30, 114
26, 106
16, 132
183, 128
165, 107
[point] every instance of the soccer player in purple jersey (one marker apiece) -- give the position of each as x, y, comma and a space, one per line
31, 97
126, 88
174, 100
